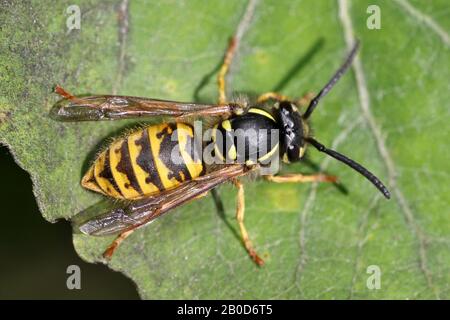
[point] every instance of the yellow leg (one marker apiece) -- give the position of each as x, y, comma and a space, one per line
224, 69
306, 99
300, 178
271, 95
116, 243
240, 208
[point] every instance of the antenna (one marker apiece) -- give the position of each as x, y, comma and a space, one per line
343, 68
352, 164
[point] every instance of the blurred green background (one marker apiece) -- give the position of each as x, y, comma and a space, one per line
38, 253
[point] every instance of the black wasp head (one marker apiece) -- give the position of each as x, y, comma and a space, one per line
293, 131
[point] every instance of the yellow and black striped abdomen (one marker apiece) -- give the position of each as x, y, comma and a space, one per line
146, 162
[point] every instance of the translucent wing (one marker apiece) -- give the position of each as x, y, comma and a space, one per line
120, 217
107, 107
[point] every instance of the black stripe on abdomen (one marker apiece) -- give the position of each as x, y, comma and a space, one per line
107, 174
170, 154
146, 162
125, 166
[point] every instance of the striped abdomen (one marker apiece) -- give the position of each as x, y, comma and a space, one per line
146, 162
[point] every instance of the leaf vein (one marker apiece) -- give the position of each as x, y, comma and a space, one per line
427, 20
310, 199
123, 26
364, 98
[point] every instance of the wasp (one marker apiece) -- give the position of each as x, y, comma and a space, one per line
140, 168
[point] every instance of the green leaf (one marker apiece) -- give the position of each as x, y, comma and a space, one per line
390, 112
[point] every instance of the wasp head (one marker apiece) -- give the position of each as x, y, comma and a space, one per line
293, 131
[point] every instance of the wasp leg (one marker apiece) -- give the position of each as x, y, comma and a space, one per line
302, 102
300, 178
224, 70
63, 93
116, 243
271, 95
108, 253
306, 99
240, 208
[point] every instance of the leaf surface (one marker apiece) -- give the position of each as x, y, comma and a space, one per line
390, 113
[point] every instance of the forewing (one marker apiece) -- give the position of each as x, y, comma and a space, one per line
107, 107
120, 217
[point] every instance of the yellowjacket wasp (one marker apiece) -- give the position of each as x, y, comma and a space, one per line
140, 167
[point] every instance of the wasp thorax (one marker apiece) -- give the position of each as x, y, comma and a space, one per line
249, 138
293, 130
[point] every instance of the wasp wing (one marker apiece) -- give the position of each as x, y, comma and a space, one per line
108, 107
120, 217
